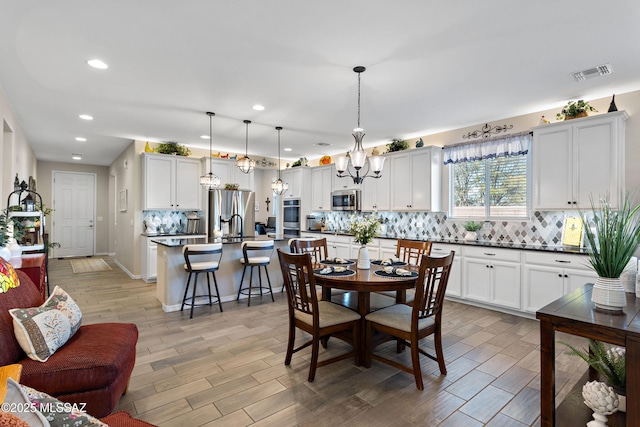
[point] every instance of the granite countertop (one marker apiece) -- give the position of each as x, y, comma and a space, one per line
490, 244
173, 242
172, 234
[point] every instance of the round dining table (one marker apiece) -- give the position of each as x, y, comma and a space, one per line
364, 282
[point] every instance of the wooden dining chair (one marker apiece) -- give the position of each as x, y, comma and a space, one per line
413, 323
411, 252
320, 319
316, 247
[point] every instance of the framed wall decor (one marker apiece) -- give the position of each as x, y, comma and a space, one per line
122, 200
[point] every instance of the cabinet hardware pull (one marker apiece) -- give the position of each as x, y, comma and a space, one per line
569, 203
559, 275
487, 266
563, 261
489, 254
491, 266
566, 275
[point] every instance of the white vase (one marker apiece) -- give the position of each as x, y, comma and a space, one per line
5, 253
471, 236
364, 262
608, 294
622, 403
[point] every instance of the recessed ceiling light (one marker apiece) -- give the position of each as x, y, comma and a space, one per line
81, 139
258, 107
288, 149
97, 63
321, 144
85, 117
76, 156
204, 136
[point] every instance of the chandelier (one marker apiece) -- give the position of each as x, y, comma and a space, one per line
278, 185
210, 181
357, 158
246, 165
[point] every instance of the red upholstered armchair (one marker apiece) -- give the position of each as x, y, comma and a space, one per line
93, 367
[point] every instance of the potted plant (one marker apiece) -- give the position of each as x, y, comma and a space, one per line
612, 237
397, 145
4, 237
575, 109
172, 148
471, 227
364, 230
608, 361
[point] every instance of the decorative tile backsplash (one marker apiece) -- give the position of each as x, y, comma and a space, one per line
544, 228
164, 222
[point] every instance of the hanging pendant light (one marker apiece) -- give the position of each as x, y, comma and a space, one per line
210, 181
246, 165
357, 158
278, 185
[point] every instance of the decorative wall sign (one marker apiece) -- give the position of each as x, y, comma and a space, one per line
486, 131
122, 201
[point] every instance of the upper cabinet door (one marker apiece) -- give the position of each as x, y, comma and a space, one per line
552, 169
187, 177
598, 162
158, 181
400, 182
321, 188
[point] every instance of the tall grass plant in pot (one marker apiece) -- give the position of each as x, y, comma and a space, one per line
612, 237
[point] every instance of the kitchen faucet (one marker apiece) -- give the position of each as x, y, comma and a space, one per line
229, 221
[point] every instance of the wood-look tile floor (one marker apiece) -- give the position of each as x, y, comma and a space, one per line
227, 369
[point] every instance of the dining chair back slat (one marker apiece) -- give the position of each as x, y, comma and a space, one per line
412, 251
316, 247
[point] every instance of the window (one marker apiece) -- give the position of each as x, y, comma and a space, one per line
489, 179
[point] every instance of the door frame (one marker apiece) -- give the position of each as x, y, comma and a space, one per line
94, 203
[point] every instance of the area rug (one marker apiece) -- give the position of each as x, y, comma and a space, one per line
89, 265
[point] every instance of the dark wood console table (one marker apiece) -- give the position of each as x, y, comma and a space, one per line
35, 265
575, 314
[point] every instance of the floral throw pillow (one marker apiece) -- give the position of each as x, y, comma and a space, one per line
41, 331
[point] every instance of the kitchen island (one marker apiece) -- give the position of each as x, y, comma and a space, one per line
172, 277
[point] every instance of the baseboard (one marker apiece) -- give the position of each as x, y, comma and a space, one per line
123, 268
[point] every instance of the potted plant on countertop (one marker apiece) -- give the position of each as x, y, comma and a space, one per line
575, 109
612, 237
471, 227
609, 361
364, 230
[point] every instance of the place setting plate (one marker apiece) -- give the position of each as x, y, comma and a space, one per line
334, 271
395, 272
389, 262
337, 261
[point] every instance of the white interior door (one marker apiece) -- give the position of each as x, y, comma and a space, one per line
73, 215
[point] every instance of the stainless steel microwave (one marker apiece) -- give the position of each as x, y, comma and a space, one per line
346, 200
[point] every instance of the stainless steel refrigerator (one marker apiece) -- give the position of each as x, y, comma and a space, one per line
232, 212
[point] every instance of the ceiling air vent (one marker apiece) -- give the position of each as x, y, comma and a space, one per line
600, 70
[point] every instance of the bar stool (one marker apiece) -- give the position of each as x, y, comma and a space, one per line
255, 255
210, 265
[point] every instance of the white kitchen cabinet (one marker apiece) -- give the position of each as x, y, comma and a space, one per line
576, 159
416, 179
229, 173
321, 188
339, 246
547, 277
170, 182
344, 183
376, 192
388, 248
297, 178
149, 259
492, 276
454, 287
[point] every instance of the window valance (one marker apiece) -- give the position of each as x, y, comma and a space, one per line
503, 146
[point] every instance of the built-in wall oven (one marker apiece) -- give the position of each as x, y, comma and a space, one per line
291, 218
